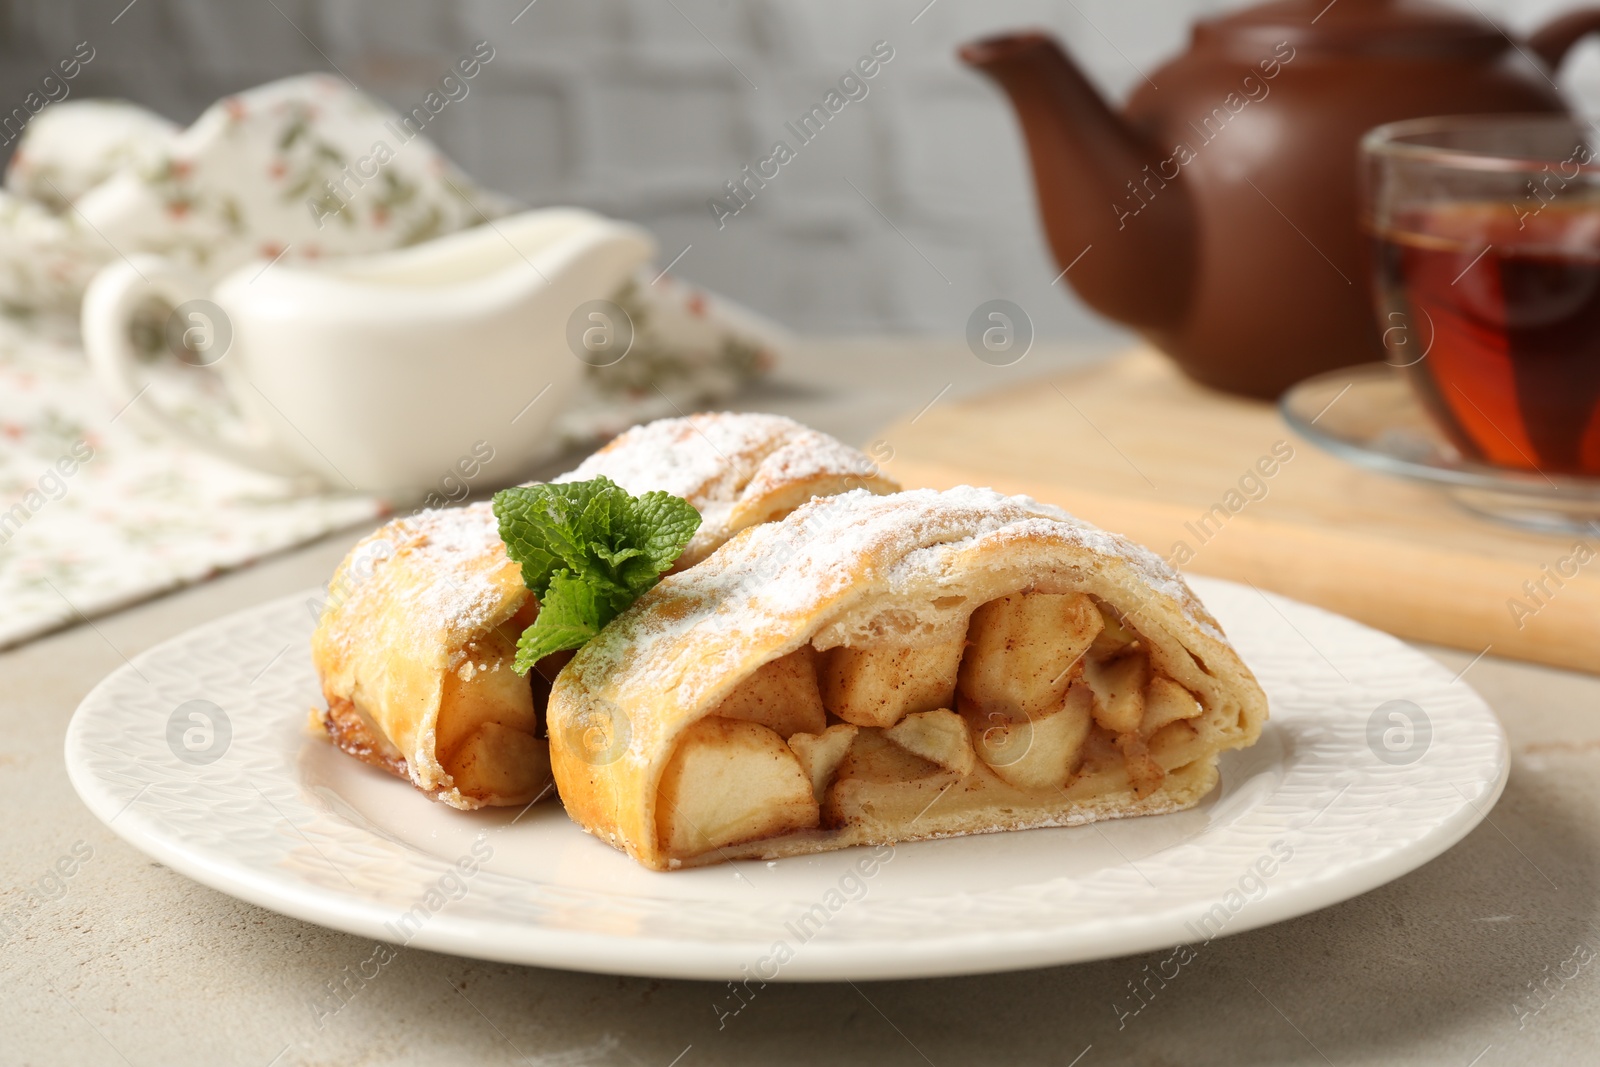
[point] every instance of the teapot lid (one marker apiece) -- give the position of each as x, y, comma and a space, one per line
1388, 27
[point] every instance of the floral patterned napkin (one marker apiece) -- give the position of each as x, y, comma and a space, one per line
96, 512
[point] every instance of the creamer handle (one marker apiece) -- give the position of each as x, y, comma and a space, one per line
116, 293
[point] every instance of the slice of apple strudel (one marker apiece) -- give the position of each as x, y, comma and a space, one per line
877, 669
415, 643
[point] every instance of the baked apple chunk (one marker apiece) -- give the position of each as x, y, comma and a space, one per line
1166, 702
731, 781
882, 786
1025, 649
781, 695
1118, 687
937, 736
486, 733
821, 754
1038, 753
878, 686
986, 663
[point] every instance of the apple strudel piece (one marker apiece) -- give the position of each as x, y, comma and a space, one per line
416, 641
882, 669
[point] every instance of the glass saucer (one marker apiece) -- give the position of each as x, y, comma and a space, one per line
1369, 416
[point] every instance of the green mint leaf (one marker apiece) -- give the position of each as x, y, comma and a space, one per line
597, 519
533, 538
549, 527
599, 545
614, 559
662, 524
569, 614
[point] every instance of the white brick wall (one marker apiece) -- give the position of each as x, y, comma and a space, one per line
641, 108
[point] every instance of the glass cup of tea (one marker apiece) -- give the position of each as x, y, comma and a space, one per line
1486, 231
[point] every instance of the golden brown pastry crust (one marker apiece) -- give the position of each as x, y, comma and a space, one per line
356, 736
429, 604
859, 570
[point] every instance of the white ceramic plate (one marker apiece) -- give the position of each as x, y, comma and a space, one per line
1373, 762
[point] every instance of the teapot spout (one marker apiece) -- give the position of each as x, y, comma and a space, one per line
1122, 231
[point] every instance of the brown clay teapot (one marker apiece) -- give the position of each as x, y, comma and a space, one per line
1217, 214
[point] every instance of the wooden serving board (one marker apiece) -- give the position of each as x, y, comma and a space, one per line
1220, 485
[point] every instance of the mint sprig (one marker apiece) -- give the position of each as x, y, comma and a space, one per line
587, 550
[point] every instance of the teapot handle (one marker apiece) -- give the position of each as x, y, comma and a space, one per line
1553, 40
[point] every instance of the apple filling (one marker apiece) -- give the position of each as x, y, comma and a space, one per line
1046, 698
487, 733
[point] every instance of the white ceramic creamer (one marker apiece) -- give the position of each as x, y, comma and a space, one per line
379, 372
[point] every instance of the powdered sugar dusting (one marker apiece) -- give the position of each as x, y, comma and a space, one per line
459, 548
805, 456
715, 461
781, 571
718, 461
710, 455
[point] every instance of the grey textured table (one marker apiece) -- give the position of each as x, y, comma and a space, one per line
1459, 963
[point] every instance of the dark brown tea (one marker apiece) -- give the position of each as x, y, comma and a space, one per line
1494, 309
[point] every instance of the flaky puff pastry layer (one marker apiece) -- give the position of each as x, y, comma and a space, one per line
863, 571
415, 644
